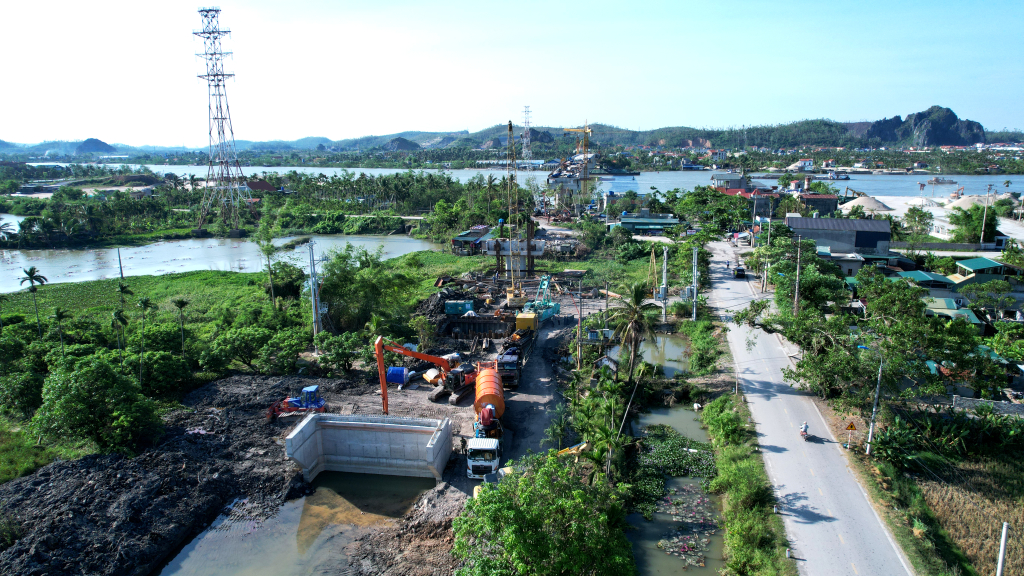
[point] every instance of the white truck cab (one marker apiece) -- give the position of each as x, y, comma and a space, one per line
483, 457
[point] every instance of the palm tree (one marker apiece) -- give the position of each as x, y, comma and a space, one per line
33, 277
268, 250
60, 315
118, 321
6, 229
123, 290
180, 304
633, 318
376, 325
145, 304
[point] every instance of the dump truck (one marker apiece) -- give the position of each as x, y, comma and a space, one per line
484, 449
513, 355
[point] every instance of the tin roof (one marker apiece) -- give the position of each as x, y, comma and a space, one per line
859, 225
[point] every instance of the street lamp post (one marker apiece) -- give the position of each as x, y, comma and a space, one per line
874, 408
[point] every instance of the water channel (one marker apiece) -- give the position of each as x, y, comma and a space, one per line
77, 265
871, 184
694, 514
668, 351
307, 536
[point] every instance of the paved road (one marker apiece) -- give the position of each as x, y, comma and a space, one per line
833, 529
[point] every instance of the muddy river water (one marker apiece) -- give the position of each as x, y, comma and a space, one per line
77, 265
308, 536
687, 519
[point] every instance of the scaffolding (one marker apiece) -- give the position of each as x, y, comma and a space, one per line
527, 155
225, 183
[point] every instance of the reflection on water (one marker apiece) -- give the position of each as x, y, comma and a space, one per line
666, 350
669, 544
357, 500
309, 535
66, 265
681, 418
682, 535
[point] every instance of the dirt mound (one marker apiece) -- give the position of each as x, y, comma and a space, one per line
114, 515
968, 201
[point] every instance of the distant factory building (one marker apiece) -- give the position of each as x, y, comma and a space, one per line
845, 236
644, 222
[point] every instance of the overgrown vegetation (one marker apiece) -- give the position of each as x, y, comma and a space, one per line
754, 536
546, 518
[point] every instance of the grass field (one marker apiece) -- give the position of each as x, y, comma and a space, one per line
204, 290
19, 454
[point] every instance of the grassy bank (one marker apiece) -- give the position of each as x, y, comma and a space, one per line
755, 539
20, 454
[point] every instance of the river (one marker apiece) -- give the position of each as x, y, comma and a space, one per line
78, 265
870, 184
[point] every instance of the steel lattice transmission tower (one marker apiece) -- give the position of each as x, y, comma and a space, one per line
225, 184
527, 155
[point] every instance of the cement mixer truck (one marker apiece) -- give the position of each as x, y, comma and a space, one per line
484, 449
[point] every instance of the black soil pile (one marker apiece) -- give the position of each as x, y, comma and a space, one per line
110, 515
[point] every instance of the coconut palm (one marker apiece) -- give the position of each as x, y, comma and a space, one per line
180, 304
33, 277
268, 250
118, 321
145, 304
123, 290
60, 315
6, 229
633, 317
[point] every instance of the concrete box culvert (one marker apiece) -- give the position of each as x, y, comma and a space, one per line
390, 445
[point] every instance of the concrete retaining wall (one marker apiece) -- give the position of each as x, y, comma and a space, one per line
963, 403
391, 445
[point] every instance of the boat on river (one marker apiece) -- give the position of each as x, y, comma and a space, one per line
940, 180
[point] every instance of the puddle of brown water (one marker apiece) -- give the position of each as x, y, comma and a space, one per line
307, 536
356, 500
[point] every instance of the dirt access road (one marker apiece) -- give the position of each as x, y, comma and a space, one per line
528, 410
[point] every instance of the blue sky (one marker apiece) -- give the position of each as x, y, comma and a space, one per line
126, 71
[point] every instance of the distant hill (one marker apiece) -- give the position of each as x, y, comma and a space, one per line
936, 126
94, 146
398, 144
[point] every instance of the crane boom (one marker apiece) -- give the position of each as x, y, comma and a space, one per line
381, 345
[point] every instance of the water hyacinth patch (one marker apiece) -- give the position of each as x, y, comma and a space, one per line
695, 512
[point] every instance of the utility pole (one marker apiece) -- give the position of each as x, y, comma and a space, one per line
1002, 550
314, 292
694, 283
874, 408
985, 215
664, 284
796, 289
767, 264
606, 304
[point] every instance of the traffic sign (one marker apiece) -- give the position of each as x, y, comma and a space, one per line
851, 427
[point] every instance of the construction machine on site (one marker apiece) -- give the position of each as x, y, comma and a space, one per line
309, 400
450, 376
483, 455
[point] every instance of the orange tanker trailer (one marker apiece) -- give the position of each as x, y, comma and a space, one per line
484, 449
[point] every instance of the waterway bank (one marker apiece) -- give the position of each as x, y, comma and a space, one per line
223, 254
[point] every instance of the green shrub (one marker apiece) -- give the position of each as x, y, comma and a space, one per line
95, 401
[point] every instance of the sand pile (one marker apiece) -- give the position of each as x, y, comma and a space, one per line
922, 202
967, 201
869, 204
